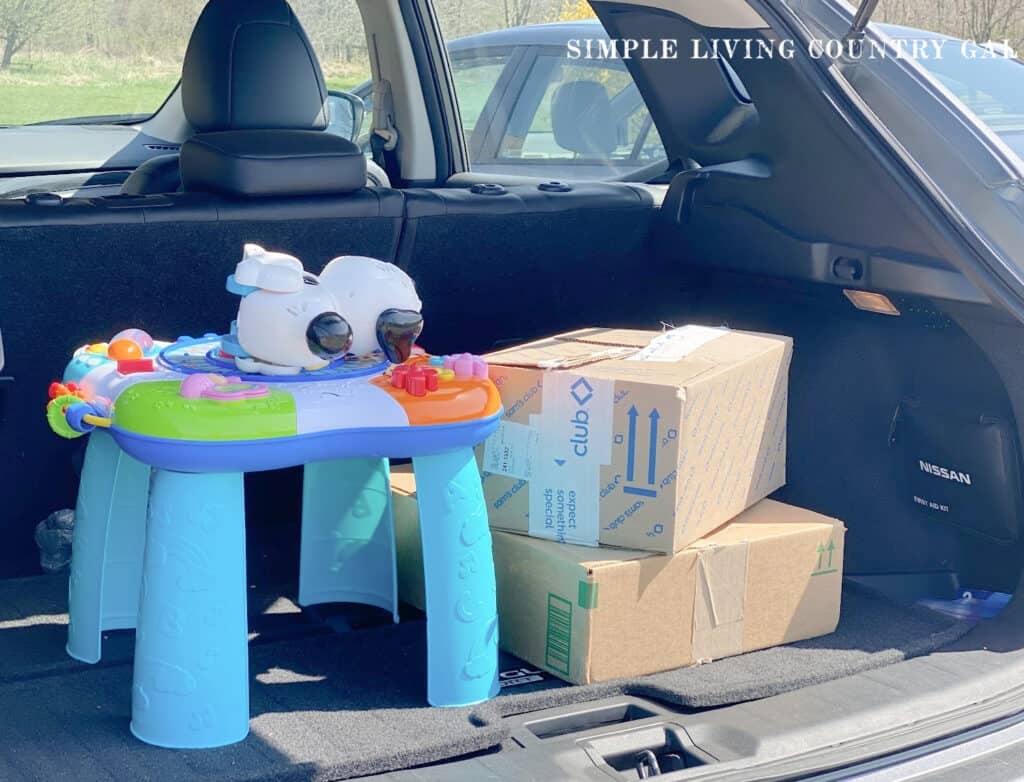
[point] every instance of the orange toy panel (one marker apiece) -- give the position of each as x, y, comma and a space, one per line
460, 399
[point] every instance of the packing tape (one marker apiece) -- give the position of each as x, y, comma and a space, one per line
677, 344
512, 450
719, 602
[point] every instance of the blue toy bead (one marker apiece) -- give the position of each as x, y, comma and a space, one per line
74, 415
437, 361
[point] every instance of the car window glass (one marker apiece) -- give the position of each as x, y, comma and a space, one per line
476, 76
973, 49
542, 109
335, 28
118, 60
608, 121
988, 84
104, 58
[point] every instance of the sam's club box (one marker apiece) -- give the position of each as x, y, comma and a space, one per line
771, 576
638, 439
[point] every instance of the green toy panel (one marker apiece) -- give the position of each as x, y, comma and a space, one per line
157, 409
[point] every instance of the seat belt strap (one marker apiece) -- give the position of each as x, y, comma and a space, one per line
384, 134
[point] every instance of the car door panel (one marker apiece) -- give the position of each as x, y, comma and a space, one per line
705, 216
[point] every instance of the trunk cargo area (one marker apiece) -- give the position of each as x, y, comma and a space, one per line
340, 693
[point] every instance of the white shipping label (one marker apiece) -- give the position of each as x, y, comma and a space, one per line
511, 450
678, 343
575, 428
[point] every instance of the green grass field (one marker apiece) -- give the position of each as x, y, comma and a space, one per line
50, 86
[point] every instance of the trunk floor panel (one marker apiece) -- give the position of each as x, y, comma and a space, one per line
329, 705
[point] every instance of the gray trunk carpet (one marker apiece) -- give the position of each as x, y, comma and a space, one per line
330, 702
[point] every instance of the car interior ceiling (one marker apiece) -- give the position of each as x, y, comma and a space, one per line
752, 240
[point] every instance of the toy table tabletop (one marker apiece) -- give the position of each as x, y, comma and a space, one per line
247, 423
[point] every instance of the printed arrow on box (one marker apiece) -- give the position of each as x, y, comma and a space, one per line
652, 457
631, 457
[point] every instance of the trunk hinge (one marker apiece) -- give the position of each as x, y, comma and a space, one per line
860, 20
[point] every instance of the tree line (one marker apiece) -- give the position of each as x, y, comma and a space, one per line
138, 30
977, 20
143, 29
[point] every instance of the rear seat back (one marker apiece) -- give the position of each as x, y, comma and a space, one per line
508, 266
81, 271
496, 265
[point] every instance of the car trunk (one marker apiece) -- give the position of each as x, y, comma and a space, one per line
338, 690
762, 241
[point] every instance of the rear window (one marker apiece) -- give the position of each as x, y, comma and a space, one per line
104, 58
974, 50
988, 85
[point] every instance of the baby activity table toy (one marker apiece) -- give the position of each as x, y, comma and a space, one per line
159, 539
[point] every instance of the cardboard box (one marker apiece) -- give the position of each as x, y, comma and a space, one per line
635, 438
770, 577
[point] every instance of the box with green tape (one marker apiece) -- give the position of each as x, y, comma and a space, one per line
771, 576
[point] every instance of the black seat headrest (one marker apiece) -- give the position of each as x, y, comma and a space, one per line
272, 163
250, 65
583, 120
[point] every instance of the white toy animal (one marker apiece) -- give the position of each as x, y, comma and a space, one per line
290, 320
364, 288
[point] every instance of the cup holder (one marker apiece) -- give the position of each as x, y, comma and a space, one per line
647, 752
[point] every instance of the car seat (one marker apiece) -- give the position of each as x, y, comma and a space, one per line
249, 66
582, 119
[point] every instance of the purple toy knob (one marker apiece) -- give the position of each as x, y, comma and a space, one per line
466, 365
236, 391
194, 386
138, 336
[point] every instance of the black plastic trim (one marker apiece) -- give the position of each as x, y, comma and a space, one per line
998, 282
429, 52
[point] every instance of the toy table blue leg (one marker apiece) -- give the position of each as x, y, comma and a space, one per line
458, 569
191, 681
109, 538
348, 537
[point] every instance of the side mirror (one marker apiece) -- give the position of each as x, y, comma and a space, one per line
345, 113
